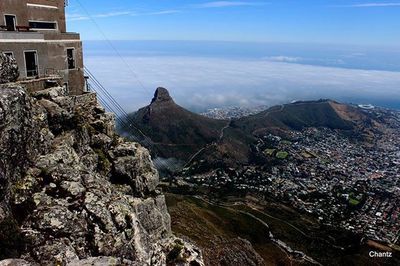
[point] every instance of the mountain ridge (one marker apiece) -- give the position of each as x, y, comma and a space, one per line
187, 136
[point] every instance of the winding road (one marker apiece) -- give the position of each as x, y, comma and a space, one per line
282, 245
222, 134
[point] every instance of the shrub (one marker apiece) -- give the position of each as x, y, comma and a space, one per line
104, 164
175, 254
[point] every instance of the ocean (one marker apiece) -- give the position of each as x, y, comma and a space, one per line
202, 75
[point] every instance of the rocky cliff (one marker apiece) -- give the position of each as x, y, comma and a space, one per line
72, 192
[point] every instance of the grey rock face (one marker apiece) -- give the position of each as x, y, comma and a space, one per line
80, 194
161, 95
132, 165
14, 262
101, 261
8, 69
21, 132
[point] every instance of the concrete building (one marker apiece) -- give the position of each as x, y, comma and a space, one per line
34, 33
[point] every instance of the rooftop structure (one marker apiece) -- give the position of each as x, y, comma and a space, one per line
34, 33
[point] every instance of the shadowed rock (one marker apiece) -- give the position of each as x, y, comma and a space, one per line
161, 95
8, 69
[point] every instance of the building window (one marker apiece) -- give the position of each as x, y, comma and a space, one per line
10, 22
9, 54
41, 25
31, 64
71, 58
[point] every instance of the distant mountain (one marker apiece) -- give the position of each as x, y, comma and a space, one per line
175, 131
235, 146
189, 137
299, 115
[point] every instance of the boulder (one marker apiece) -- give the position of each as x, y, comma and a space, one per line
8, 69
132, 165
14, 262
101, 261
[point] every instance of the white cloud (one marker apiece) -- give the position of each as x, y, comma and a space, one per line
282, 58
113, 14
200, 83
376, 5
219, 4
215, 4
78, 17
164, 12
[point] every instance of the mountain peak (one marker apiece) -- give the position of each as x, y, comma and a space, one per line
161, 95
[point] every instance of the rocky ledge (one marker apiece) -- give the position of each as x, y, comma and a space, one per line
72, 192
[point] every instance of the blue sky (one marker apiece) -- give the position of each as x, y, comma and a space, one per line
242, 52
360, 22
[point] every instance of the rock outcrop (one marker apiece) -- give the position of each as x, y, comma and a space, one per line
8, 69
175, 131
72, 192
162, 95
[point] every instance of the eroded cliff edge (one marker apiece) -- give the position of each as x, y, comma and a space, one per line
72, 192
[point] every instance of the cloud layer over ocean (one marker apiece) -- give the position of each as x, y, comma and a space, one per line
202, 82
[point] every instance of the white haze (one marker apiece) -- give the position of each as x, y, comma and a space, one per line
199, 83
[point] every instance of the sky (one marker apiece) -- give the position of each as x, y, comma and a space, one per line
242, 53
359, 22
204, 75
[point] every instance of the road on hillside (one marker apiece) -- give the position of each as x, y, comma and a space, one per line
222, 134
282, 245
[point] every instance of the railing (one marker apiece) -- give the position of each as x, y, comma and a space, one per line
32, 73
23, 28
51, 72
17, 28
37, 73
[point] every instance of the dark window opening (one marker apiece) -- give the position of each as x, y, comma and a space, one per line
9, 54
71, 58
42, 25
10, 22
66, 87
31, 64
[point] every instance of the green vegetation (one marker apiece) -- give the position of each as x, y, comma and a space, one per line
269, 152
354, 202
306, 154
282, 155
103, 164
175, 255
